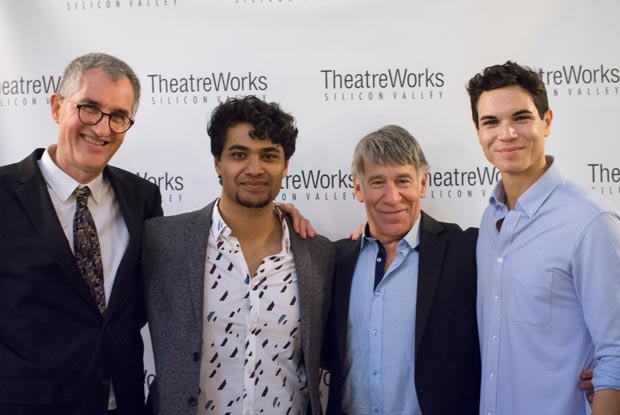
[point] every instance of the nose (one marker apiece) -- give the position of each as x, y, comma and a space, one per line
254, 166
507, 131
102, 128
391, 193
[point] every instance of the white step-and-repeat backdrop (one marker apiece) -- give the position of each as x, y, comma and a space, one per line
342, 67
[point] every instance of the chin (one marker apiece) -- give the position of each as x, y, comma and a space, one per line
254, 203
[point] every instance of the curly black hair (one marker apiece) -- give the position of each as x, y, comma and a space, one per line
269, 122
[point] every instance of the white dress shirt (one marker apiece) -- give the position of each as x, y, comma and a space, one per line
111, 229
252, 358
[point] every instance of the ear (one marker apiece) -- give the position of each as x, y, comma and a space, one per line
285, 172
357, 189
424, 184
547, 118
218, 168
55, 104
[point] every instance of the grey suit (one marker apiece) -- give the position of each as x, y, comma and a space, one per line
174, 268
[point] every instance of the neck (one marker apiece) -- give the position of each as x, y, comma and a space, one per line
77, 175
249, 223
516, 184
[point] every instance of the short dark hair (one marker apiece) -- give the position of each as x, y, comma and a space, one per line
508, 74
269, 122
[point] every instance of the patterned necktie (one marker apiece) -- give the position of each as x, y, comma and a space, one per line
86, 247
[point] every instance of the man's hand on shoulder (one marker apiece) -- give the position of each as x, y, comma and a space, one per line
301, 225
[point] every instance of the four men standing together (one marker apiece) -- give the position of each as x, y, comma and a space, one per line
239, 306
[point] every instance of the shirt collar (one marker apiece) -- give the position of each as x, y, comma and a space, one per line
220, 228
534, 197
62, 184
411, 238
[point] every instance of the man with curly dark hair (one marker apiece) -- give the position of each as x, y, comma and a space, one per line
237, 302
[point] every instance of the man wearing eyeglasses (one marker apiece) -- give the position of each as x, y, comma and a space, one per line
70, 275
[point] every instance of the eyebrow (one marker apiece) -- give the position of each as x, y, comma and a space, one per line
272, 149
521, 112
98, 105
398, 177
493, 117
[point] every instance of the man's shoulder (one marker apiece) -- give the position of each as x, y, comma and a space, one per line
455, 230
346, 246
180, 218
447, 229
318, 243
12, 170
130, 178
583, 200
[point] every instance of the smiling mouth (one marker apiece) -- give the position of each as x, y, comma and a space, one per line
255, 186
509, 150
93, 141
393, 213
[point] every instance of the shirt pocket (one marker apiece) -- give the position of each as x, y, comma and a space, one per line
531, 298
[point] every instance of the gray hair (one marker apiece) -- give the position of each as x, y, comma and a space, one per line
388, 145
113, 67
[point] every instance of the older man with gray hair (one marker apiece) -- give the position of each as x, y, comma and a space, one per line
402, 335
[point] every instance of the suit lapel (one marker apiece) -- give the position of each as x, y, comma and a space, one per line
196, 240
432, 251
347, 252
34, 197
130, 210
305, 287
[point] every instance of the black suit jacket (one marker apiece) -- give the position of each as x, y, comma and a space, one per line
57, 352
447, 354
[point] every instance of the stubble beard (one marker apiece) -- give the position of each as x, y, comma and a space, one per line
253, 204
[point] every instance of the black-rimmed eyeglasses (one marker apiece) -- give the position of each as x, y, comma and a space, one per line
91, 114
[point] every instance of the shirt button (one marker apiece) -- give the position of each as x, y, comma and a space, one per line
500, 260
377, 294
374, 372
374, 332
496, 298
494, 337
378, 259
491, 375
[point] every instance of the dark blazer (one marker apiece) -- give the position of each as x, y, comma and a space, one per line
57, 352
447, 355
174, 267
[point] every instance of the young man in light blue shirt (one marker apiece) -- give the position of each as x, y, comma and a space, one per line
548, 259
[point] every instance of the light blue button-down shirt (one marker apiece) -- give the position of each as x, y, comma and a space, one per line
380, 354
548, 298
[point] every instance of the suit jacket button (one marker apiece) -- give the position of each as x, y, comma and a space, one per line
197, 356
192, 401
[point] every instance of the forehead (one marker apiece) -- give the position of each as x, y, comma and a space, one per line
238, 135
372, 169
507, 99
98, 87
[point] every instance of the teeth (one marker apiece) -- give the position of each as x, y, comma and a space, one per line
93, 141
